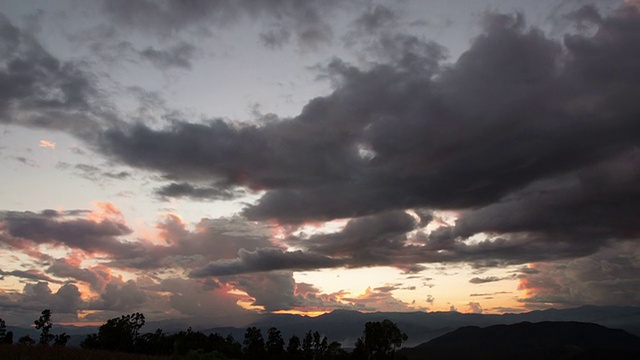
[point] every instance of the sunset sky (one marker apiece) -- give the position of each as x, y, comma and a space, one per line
208, 161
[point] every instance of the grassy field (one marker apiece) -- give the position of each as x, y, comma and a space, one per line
17, 352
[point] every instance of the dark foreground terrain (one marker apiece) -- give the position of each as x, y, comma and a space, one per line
543, 340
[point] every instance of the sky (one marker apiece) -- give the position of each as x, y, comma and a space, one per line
211, 161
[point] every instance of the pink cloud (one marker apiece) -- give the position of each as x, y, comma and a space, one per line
474, 307
47, 144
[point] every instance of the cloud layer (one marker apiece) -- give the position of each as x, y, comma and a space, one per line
530, 139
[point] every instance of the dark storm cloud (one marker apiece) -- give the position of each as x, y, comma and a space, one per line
195, 192
536, 138
407, 52
266, 259
375, 19
96, 277
278, 291
533, 139
517, 107
303, 18
121, 296
31, 274
484, 280
215, 149
38, 90
274, 291
20, 308
212, 240
586, 208
608, 277
66, 300
82, 234
584, 16
207, 306
375, 239
504, 249
95, 173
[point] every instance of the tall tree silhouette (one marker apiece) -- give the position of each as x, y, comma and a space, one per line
6, 337
381, 339
3, 330
253, 344
275, 344
44, 325
307, 346
293, 349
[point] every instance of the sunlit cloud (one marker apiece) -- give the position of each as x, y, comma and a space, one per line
105, 211
47, 144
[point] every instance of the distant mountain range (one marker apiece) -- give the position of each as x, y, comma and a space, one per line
346, 326
543, 340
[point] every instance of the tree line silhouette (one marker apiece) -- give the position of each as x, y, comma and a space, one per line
44, 324
379, 341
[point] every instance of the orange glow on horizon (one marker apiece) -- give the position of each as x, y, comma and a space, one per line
310, 313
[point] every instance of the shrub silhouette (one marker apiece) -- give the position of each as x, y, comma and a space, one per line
61, 340
26, 340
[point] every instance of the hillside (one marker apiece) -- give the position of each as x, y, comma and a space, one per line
346, 326
543, 340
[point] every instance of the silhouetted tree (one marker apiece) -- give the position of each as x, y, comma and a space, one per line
359, 352
91, 341
293, 349
231, 348
61, 340
44, 325
119, 334
5, 337
185, 341
26, 340
381, 339
315, 347
275, 344
3, 330
155, 343
8, 339
320, 345
307, 346
253, 344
